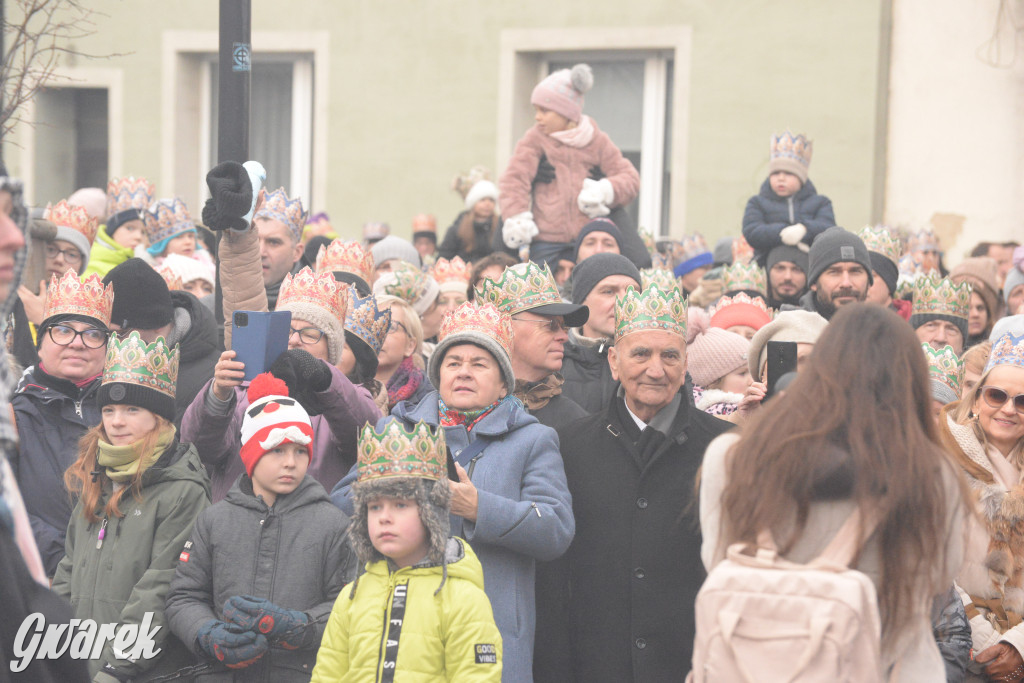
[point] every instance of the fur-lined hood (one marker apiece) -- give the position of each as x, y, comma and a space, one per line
712, 397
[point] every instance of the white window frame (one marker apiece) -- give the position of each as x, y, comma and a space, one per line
524, 58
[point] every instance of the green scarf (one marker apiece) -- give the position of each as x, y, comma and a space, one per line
123, 462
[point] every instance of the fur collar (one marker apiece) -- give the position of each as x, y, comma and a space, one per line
712, 397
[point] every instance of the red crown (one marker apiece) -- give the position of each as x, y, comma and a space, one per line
318, 289
345, 257
77, 218
72, 296
456, 272
172, 279
485, 318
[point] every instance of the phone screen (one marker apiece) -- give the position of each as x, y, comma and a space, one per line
781, 361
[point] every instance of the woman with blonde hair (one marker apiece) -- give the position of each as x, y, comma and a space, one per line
400, 361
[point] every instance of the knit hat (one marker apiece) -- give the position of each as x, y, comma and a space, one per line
424, 225
1014, 279
722, 253
937, 298
190, 269
983, 273
483, 325
73, 225
92, 199
139, 374
272, 419
482, 189
141, 298
689, 254
321, 301
392, 247
711, 352
597, 225
591, 271
740, 309
790, 153
562, 92
836, 245
793, 326
410, 284
788, 254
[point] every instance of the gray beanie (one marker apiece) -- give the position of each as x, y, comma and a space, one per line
1014, 279
590, 271
790, 254
722, 253
793, 326
392, 247
837, 245
477, 338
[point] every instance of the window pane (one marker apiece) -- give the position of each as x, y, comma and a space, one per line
71, 145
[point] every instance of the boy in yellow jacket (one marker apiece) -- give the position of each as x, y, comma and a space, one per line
438, 624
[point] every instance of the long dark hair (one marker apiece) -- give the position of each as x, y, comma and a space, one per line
855, 423
467, 231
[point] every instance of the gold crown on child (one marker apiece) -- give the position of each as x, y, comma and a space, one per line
133, 361
170, 218
399, 452
125, 194
795, 147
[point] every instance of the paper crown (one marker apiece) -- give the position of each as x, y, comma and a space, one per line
794, 147
71, 296
741, 298
127, 194
944, 366
742, 252
399, 452
316, 289
133, 361
170, 218
648, 239
520, 288
924, 240
484, 318
452, 275
665, 279
746, 276
408, 282
276, 205
345, 257
940, 296
880, 240
424, 222
64, 215
172, 278
1008, 350
691, 246
652, 309
366, 321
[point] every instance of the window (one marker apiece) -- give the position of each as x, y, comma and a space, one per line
71, 142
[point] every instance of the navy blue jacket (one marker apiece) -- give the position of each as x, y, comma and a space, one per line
767, 214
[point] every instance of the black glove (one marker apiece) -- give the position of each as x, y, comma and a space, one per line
545, 171
596, 173
231, 197
304, 375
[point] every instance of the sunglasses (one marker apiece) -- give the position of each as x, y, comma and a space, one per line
553, 325
997, 398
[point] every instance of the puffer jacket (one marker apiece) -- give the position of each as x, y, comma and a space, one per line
295, 554
52, 415
106, 254
767, 214
444, 636
553, 204
195, 329
128, 577
588, 379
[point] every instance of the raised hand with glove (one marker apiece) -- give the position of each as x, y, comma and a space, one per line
519, 230
284, 627
234, 194
596, 197
305, 377
232, 645
793, 235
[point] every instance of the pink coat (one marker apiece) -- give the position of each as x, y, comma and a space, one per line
554, 204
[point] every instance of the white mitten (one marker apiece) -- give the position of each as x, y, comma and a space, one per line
519, 230
792, 234
595, 197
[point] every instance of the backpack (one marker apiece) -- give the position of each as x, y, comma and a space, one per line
762, 618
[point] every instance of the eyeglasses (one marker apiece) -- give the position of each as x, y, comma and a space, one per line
553, 325
997, 398
92, 337
396, 326
70, 255
307, 335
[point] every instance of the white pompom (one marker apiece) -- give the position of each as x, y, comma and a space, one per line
582, 78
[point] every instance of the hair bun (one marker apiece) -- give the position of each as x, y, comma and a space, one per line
582, 78
266, 384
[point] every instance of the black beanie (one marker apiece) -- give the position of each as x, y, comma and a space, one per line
597, 225
366, 359
592, 270
885, 269
141, 298
918, 319
836, 245
788, 254
128, 393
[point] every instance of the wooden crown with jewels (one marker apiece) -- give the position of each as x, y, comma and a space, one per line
77, 218
399, 452
651, 309
940, 296
72, 296
745, 276
170, 218
944, 366
520, 288
455, 269
484, 318
345, 257
880, 240
789, 146
665, 279
126, 194
316, 289
1008, 350
278, 206
133, 361
366, 321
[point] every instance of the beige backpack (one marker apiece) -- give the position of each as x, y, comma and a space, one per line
764, 619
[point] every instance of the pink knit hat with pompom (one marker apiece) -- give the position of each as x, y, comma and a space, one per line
711, 352
562, 91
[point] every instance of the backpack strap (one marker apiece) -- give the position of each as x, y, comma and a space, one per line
847, 542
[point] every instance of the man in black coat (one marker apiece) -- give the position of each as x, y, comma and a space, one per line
619, 605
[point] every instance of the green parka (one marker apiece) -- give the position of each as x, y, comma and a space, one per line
106, 254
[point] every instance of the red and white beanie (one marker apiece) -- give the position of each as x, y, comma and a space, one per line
272, 419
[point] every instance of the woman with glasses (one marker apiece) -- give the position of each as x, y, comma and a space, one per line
56, 403
984, 431
400, 361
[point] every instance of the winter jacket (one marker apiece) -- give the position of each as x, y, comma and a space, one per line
106, 254
484, 243
618, 606
808, 302
216, 432
295, 554
588, 378
553, 204
195, 329
241, 277
767, 214
128, 577
952, 634
22, 334
444, 636
912, 656
52, 415
545, 401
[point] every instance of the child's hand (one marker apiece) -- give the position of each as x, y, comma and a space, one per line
595, 197
229, 644
287, 626
519, 230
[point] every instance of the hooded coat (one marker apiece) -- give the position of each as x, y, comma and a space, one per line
129, 575
106, 254
295, 554
767, 214
196, 331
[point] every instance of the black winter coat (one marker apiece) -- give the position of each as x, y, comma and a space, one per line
588, 379
484, 242
200, 349
558, 412
623, 594
767, 214
52, 415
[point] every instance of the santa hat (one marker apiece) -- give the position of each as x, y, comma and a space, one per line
272, 419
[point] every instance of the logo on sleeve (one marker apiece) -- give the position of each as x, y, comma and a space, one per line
185, 554
486, 653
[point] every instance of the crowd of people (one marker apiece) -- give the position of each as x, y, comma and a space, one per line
527, 451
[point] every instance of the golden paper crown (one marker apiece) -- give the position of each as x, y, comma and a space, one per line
881, 241
63, 215
484, 318
452, 275
658, 276
795, 147
133, 361
345, 257
129, 194
940, 296
366, 321
520, 288
944, 366
314, 289
742, 252
276, 205
924, 240
399, 452
1008, 350
407, 282
746, 276
652, 309
172, 278
72, 296
170, 218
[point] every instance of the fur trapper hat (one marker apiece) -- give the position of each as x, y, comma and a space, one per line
432, 497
